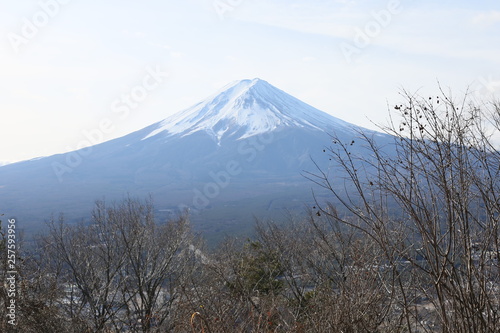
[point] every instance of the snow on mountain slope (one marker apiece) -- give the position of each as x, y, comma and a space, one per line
246, 108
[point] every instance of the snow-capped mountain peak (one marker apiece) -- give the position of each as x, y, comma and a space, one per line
243, 109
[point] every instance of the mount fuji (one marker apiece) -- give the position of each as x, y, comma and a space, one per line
244, 109
239, 152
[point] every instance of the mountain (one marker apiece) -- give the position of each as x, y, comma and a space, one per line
244, 109
239, 152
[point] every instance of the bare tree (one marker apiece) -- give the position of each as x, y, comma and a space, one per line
93, 259
29, 301
159, 262
335, 280
432, 205
236, 289
123, 271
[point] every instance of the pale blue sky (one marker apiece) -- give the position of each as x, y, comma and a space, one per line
60, 81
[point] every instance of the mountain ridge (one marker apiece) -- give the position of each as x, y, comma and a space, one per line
207, 158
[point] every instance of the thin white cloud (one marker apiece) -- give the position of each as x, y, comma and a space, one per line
416, 30
309, 59
487, 18
176, 54
327, 18
160, 45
